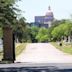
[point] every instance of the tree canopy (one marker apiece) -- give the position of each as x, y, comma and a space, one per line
7, 12
42, 35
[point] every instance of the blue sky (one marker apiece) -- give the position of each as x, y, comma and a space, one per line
62, 9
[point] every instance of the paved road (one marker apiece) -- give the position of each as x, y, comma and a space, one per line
43, 53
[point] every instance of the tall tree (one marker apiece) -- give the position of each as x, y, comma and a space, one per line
42, 35
7, 13
33, 33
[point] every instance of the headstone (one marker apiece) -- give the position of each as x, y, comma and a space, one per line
8, 44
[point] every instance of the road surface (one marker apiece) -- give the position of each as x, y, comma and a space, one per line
43, 53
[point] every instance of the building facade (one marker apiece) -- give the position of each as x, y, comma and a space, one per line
44, 21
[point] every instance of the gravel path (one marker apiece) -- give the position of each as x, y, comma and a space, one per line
43, 53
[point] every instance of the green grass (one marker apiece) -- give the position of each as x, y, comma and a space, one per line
19, 47
1, 55
66, 48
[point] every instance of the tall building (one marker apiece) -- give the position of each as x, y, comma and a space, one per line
46, 20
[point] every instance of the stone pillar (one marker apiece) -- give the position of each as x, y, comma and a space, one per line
8, 44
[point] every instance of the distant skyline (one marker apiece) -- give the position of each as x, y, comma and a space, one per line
62, 9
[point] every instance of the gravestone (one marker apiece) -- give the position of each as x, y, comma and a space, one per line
8, 44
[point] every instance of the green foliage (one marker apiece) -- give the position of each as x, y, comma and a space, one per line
7, 2
57, 32
21, 31
64, 29
34, 30
1, 33
67, 29
8, 16
7, 12
33, 33
42, 35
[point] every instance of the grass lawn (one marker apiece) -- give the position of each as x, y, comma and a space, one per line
1, 55
67, 48
19, 47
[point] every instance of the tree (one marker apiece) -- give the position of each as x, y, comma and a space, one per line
21, 30
58, 32
33, 33
42, 35
62, 30
7, 12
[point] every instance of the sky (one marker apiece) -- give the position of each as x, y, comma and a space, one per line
62, 9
